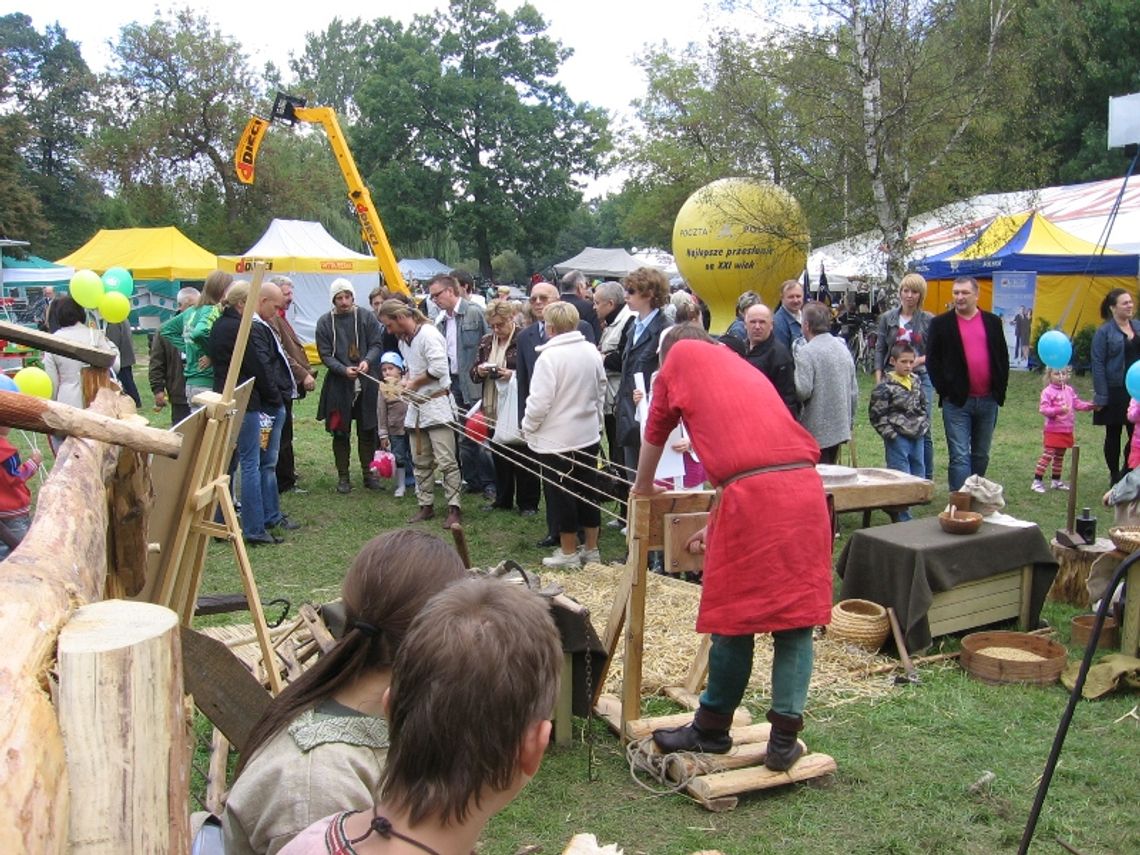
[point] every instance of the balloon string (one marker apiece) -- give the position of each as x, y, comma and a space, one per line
31, 440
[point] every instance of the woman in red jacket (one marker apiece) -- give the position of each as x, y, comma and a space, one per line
767, 543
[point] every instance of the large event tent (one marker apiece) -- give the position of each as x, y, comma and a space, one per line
604, 263
312, 258
421, 269
1073, 275
161, 260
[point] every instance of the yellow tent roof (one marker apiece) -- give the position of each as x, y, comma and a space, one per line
150, 254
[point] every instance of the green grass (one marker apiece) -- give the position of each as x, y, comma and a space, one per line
905, 763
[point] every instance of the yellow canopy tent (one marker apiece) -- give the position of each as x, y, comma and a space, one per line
161, 260
161, 254
1073, 275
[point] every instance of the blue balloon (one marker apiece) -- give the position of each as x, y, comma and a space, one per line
1132, 380
1055, 349
9, 385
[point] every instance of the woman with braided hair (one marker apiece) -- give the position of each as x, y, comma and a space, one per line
322, 744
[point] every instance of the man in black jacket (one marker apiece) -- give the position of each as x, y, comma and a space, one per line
264, 361
768, 353
969, 368
575, 290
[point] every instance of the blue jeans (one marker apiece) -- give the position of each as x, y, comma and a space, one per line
969, 432
270, 497
260, 503
905, 454
928, 437
402, 451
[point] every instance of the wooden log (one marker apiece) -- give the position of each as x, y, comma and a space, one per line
736, 781
743, 730
54, 344
132, 496
216, 773
43, 416
1070, 584
122, 718
60, 565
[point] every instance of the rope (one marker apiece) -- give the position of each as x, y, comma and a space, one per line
658, 766
515, 455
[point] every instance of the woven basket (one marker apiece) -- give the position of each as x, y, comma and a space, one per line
996, 669
1126, 538
859, 622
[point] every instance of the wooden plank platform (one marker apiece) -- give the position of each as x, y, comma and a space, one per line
717, 780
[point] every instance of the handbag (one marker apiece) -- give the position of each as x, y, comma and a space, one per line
507, 416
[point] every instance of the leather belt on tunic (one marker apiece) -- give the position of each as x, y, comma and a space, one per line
760, 470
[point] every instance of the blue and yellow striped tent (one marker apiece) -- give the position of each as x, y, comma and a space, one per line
1073, 275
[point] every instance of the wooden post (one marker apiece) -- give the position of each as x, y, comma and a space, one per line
61, 564
124, 729
639, 512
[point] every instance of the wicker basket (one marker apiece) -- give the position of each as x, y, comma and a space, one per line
1045, 668
859, 622
1126, 538
1082, 626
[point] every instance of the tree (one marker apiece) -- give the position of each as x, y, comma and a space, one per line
176, 97
333, 66
46, 90
1081, 54
463, 129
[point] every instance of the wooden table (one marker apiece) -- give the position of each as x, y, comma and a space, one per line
880, 489
939, 583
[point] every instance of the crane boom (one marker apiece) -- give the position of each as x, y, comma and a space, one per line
290, 109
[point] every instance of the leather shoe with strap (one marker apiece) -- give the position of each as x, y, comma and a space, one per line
454, 516
426, 512
548, 541
708, 733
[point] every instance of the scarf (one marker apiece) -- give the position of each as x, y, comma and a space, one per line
498, 356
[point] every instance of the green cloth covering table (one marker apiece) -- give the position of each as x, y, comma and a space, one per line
905, 564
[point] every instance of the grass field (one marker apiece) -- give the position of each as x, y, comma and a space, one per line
905, 763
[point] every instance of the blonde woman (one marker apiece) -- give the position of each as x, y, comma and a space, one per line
910, 323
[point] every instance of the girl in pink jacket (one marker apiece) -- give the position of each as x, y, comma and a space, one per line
1059, 401
1134, 447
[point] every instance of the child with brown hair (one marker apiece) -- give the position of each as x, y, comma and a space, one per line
468, 728
1058, 403
322, 744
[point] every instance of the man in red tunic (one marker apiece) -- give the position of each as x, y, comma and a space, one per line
767, 543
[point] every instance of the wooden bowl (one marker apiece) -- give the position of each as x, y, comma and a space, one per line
1012, 657
1082, 626
962, 522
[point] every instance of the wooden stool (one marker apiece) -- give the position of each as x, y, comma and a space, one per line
1070, 586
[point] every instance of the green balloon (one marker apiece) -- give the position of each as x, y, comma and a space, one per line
119, 279
86, 288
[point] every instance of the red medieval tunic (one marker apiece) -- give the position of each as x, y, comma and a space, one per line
768, 545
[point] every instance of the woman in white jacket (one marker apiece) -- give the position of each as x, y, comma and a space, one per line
562, 425
66, 373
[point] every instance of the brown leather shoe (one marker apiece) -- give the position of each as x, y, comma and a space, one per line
426, 512
454, 515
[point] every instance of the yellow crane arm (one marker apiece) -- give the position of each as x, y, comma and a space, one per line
293, 109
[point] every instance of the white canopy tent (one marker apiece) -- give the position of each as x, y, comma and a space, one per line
422, 269
603, 263
312, 258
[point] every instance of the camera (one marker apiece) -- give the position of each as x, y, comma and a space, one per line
493, 372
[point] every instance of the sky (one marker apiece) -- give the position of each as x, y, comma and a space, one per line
605, 36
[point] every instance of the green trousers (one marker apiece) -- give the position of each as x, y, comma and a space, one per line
730, 666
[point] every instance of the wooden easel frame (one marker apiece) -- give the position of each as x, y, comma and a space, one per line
646, 533
177, 573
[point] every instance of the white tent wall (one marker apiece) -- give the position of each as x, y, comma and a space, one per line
311, 297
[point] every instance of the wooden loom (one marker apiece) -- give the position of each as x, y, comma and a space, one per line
666, 522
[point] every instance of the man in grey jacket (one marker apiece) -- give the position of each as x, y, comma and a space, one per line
825, 382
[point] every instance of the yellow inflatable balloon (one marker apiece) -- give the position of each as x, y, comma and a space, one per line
736, 235
114, 307
86, 288
33, 381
